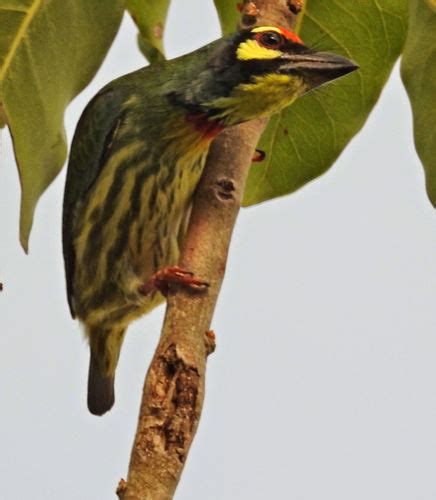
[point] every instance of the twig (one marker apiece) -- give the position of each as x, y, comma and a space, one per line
174, 387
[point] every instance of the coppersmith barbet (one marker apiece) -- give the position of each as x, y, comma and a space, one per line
136, 158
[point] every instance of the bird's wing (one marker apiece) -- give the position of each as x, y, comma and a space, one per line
90, 148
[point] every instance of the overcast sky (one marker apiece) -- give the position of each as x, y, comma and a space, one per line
322, 386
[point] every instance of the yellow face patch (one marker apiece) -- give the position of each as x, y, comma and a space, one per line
250, 49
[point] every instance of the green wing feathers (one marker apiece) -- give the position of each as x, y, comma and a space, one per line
90, 147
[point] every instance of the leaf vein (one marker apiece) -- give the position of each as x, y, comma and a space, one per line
385, 29
19, 36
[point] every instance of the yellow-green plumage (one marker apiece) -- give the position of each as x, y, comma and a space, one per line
129, 228
136, 158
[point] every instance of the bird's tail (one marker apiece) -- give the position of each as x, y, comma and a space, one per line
105, 350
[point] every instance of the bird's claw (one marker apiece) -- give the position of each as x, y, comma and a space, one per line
172, 276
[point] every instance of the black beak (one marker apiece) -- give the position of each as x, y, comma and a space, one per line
316, 68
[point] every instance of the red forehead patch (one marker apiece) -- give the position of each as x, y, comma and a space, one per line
291, 36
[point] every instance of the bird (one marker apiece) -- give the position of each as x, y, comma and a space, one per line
136, 158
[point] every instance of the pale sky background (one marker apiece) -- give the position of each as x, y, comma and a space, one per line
323, 383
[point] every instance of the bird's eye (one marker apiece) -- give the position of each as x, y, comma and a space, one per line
270, 39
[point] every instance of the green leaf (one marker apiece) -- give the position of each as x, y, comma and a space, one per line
49, 51
418, 70
150, 17
228, 15
2, 116
304, 140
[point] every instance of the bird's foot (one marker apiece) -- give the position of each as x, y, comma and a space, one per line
258, 156
172, 276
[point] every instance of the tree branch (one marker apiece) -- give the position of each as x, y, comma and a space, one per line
174, 387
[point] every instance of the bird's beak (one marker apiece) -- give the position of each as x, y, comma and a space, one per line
316, 68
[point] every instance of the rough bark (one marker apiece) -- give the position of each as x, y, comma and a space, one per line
174, 387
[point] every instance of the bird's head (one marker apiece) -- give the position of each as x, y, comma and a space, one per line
256, 73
